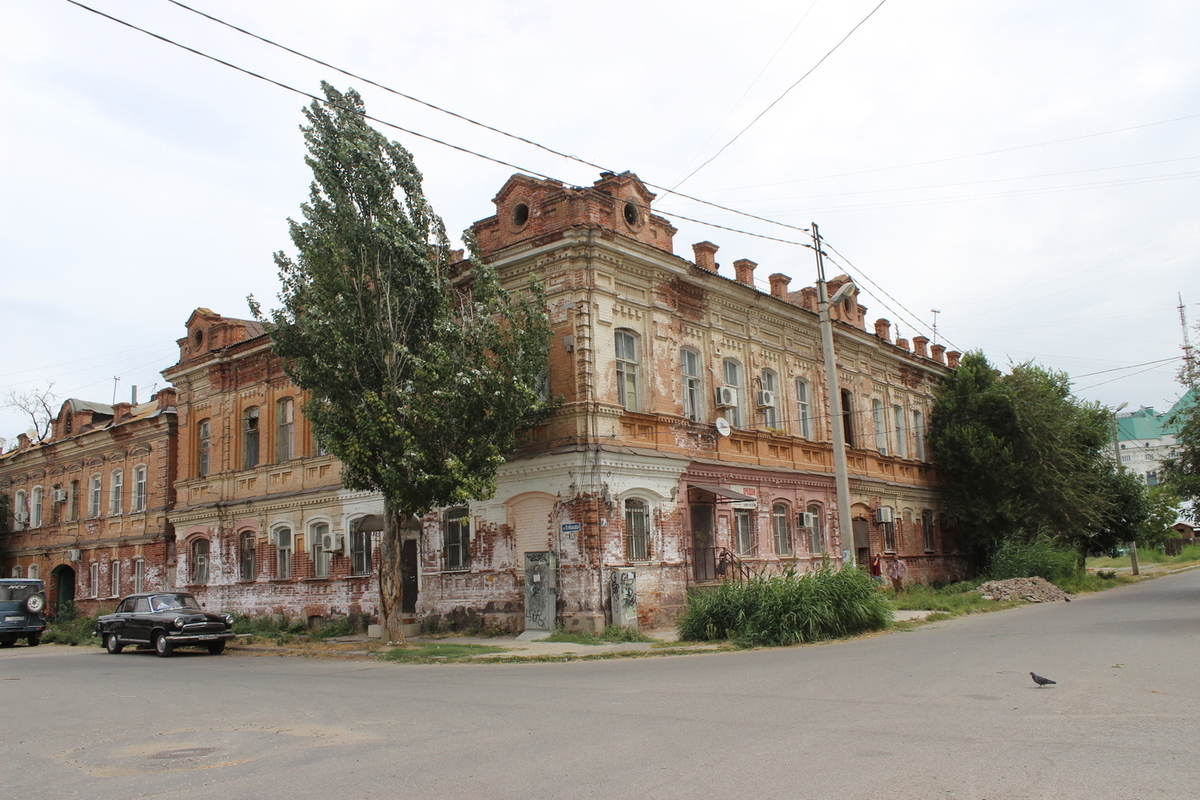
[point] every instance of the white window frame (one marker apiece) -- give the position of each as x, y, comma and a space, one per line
204, 447
283, 538
285, 429
877, 418
114, 578
140, 478
803, 408
20, 510
16, 572
251, 437
199, 564
781, 525
360, 552
919, 433
36, 506
116, 492
625, 348
901, 432
732, 376
34, 572
743, 531
816, 533
322, 559
888, 530
456, 532
691, 383
247, 556
139, 575
94, 579
95, 494
770, 383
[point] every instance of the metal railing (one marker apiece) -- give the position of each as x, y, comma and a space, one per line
709, 564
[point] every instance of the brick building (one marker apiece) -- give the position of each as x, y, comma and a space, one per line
87, 505
634, 489
263, 522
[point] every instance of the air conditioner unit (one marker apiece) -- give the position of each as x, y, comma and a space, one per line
331, 542
766, 399
60, 495
808, 519
727, 397
883, 515
75, 555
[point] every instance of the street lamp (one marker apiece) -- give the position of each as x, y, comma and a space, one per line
833, 400
1133, 559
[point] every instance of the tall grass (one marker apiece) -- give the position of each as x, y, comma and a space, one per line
1039, 558
786, 609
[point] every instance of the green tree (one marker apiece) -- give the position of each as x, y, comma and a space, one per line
1164, 510
419, 373
1181, 472
1020, 457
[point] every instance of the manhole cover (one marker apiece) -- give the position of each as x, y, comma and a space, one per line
186, 752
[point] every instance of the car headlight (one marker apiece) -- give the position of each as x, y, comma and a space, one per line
178, 622
228, 619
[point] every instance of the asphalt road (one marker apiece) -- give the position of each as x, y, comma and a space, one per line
947, 711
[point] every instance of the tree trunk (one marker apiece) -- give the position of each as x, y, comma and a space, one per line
391, 584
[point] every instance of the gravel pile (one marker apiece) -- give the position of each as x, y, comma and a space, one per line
1035, 590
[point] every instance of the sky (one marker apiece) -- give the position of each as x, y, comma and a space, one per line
1029, 169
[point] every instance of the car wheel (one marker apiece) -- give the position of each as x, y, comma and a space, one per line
34, 639
7, 642
112, 644
162, 646
216, 648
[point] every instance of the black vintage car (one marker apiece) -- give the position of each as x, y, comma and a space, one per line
22, 611
164, 621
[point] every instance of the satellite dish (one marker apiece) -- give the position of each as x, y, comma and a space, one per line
723, 426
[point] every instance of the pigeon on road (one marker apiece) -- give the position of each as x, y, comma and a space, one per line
1039, 680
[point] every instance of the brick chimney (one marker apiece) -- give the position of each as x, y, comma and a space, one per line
779, 285
743, 270
939, 353
122, 410
902, 344
952, 358
919, 345
883, 330
165, 397
705, 255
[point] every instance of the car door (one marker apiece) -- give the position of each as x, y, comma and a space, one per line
137, 623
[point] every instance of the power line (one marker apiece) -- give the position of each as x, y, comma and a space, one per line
774, 102
467, 119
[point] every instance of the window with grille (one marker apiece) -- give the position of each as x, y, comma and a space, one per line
637, 530
458, 538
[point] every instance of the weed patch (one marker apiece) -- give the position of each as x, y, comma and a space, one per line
438, 652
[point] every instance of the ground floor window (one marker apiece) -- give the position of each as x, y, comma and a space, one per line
458, 538
246, 556
783, 534
360, 552
743, 531
816, 530
283, 554
199, 574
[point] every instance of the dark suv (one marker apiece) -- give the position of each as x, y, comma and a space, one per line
22, 611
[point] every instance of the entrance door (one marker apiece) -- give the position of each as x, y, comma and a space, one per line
541, 591
704, 551
64, 590
862, 541
408, 576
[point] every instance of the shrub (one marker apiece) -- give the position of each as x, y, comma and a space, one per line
72, 629
786, 609
1038, 558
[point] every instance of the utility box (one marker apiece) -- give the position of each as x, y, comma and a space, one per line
623, 594
541, 591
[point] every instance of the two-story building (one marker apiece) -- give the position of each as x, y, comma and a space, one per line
88, 503
693, 436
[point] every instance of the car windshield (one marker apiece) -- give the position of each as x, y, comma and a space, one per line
17, 592
168, 602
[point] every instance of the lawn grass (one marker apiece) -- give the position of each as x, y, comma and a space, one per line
955, 599
613, 633
438, 652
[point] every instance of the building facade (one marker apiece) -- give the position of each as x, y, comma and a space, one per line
87, 505
692, 437
1144, 438
263, 523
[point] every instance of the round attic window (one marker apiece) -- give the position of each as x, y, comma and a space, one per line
520, 215
198, 337
632, 217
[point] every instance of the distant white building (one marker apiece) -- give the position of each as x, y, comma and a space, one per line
1145, 438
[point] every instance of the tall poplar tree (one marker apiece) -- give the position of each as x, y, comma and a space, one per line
418, 374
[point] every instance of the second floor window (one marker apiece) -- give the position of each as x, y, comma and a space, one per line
627, 370
139, 489
203, 447
848, 416
35, 513
803, 409
94, 492
901, 436
116, 492
285, 428
250, 438
880, 430
691, 384
73, 499
768, 400
919, 434
732, 375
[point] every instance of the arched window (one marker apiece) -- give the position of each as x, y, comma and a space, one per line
199, 553
20, 510
16, 572
35, 511
285, 429
203, 447
94, 579
116, 493
34, 572
919, 434
743, 523
139, 488
780, 519
848, 416
803, 409
880, 428
246, 556
316, 545
732, 375
768, 399
114, 575
901, 435
95, 489
139, 575
927, 529
691, 384
888, 528
816, 531
637, 530
250, 435
627, 369
74, 500
283, 553
458, 538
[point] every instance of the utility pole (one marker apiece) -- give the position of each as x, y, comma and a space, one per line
833, 401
